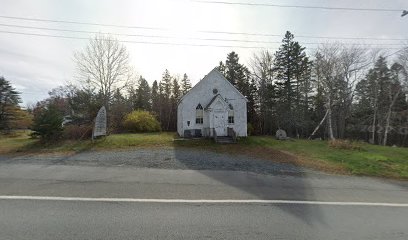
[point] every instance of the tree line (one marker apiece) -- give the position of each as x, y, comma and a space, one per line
336, 91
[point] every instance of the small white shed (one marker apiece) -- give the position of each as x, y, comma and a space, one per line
213, 104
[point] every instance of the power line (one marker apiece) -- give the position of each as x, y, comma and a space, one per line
393, 53
157, 43
201, 31
300, 6
79, 23
136, 35
173, 37
307, 36
128, 41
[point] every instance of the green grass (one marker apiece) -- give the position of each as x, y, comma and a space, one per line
162, 139
114, 141
13, 142
370, 160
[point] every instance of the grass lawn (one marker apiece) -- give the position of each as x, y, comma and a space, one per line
370, 160
23, 143
14, 142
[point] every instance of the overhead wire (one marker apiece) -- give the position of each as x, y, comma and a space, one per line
132, 41
174, 37
165, 43
299, 6
200, 31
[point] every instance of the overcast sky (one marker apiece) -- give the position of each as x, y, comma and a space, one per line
36, 64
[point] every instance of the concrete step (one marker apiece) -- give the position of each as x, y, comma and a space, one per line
225, 140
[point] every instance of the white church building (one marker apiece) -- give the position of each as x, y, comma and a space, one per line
213, 107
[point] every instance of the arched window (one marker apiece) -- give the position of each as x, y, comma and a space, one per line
230, 115
199, 114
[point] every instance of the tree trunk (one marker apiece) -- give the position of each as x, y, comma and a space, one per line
387, 123
318, 126
330, 125
372, 140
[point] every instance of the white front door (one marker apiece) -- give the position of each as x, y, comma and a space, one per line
220, 123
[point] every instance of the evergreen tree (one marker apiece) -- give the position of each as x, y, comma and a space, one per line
155, 98
292, 69
119, 108
9, 100
175, 97
47, 123
251, 105
165, 83
221, 68
240, 76
165, 92
372, 95
143, 95
85, 104
185, 84
176, 90
233, 69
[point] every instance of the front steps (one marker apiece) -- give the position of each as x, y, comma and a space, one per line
224, 140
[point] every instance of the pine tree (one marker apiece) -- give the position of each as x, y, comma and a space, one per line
47, 122
292, 69
221, 68
176, 89
119, 108
143, 95
233, 70
155, 98
165, 83
175, 97
185, 84
9, 100
372, 95
240, 76
251, 105
165, 92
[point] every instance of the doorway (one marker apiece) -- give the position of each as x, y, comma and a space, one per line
220, 123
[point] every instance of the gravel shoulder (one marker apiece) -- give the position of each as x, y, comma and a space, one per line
161, 158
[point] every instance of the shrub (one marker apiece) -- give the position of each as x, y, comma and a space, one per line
141, 121
47, 123
344, 144
76, 132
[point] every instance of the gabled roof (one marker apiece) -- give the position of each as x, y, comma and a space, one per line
213, 100
215, 70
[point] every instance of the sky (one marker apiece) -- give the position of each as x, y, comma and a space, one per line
183, 32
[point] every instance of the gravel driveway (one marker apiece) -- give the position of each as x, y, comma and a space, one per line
164, 158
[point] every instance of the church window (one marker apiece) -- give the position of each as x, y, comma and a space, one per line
199, 114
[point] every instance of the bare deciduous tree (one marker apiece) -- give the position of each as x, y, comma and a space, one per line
104, 64
262, 69
337, 68
326, 70
400, 70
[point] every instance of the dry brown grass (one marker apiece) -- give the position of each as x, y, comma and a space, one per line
344, 144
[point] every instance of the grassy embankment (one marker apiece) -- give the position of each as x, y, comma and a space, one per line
370, 160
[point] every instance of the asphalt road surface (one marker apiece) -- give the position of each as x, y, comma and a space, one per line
46, 200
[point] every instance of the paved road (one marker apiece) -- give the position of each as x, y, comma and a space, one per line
21, 219
78, 219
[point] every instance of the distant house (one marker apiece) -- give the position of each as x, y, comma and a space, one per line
213, 105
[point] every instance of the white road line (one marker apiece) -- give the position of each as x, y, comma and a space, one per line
141, 200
